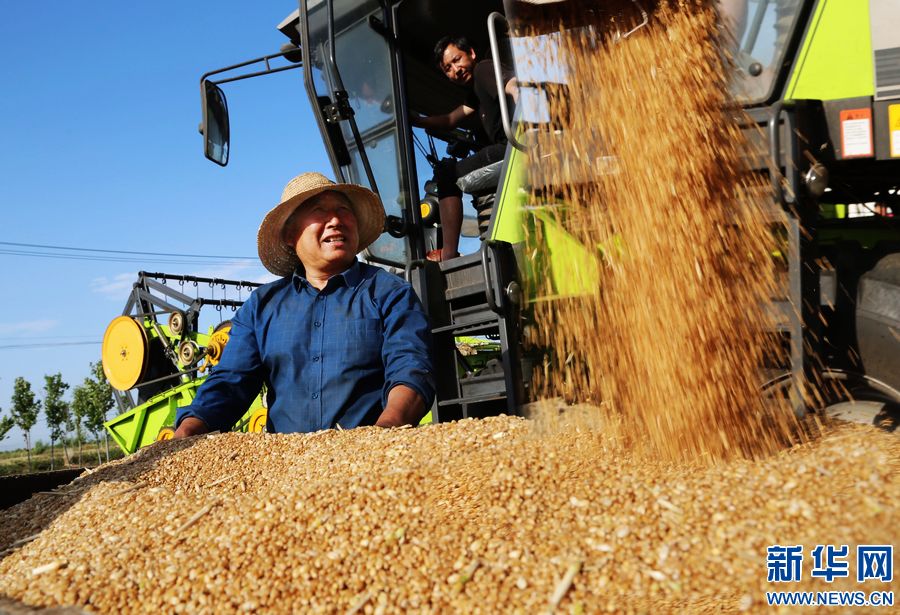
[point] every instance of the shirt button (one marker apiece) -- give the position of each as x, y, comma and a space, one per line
315, 359
318, 324
315, 396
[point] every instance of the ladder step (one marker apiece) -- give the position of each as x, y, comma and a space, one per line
782, 312
469, 326
470, 313
493, 383
472, 400
458, 292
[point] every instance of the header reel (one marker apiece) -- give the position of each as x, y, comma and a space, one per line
141, 354
155, 356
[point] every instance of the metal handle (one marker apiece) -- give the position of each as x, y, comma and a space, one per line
488, 279
417, 263
501, 91
775, 152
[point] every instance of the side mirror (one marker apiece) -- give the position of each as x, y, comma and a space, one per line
215, 127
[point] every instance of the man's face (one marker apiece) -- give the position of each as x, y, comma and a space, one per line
324, 232
458, 64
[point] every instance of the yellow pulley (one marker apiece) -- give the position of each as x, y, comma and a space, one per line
124, 353
257, 422
216, 345
165, 433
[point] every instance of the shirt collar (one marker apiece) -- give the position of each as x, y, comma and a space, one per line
351, 276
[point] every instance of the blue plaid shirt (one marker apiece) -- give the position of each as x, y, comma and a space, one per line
327, 357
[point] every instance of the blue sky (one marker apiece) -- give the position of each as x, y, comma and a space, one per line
99, 149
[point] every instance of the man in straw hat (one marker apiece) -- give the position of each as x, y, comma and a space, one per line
336, 341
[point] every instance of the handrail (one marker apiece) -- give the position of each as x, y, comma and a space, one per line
487, 248
775, 175
755, 26
501, 92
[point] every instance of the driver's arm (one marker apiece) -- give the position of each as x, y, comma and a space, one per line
446, 121
512, 88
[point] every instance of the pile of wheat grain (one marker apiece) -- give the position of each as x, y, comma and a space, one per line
496, 515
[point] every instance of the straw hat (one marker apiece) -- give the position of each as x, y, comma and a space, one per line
281, 258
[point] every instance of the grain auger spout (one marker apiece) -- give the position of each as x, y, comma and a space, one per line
615, 20
618, 19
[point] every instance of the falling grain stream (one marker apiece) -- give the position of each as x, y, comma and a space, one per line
672, 338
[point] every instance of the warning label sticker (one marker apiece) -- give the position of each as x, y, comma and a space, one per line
894, 127
856, 133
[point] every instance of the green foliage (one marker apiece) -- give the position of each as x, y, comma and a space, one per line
71, 422
24, 411
104, 388
15, 462
6, 423
56, 411
82, 406
100, 394
25, 407
40, 447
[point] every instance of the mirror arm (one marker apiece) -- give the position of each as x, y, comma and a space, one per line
270, 71
265, 59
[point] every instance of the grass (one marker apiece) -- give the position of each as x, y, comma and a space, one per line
16, 462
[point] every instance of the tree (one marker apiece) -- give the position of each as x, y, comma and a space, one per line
72, 427
6, 423
81, 411
56, 410
101, 394
24, 411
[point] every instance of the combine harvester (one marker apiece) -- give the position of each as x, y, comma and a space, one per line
819, 80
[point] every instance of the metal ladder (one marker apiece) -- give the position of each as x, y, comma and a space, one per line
481, 297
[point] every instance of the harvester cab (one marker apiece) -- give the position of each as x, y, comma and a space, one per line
816, 78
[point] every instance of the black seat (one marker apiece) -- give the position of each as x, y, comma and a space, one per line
481, 184
482, 179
